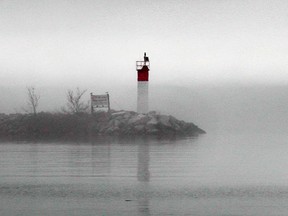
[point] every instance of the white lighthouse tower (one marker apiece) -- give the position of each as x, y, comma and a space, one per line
143, 68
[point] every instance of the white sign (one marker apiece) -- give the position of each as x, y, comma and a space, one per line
100, 101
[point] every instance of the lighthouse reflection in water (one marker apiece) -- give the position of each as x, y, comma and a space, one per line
208, 175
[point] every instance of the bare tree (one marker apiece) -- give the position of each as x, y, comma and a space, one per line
32, 100
74, 103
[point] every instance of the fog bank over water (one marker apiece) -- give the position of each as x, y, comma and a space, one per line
238, 108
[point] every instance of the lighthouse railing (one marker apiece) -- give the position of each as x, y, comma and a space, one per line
140, 64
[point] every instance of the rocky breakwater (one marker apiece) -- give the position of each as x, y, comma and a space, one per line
83, 125
132, 123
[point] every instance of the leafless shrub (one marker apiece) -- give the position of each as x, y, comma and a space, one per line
32, 100
74, 103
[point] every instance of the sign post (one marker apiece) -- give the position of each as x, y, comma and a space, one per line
100, 101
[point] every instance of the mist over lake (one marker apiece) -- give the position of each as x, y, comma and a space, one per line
235, 108
237, 168
217, 65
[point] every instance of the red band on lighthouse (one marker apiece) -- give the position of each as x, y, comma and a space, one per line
143, 73
142, 68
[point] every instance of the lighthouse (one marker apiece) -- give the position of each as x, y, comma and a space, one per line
143, 68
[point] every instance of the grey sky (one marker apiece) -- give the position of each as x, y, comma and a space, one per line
84, 42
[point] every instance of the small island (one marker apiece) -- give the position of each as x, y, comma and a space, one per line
46, 125
76, 121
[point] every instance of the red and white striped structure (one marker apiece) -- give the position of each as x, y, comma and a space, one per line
143, 68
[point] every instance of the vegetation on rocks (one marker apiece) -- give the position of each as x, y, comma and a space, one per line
116, 123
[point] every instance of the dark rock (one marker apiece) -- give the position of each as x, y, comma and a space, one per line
120, 123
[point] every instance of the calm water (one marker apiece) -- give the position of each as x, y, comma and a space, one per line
214, 174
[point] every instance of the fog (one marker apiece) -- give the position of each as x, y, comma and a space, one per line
221, 64
232, 108
76, 42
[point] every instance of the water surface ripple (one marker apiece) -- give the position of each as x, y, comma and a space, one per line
209, 175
